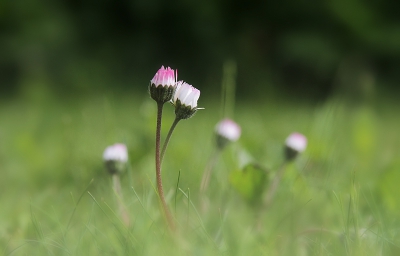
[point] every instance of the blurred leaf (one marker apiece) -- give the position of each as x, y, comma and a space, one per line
250, 182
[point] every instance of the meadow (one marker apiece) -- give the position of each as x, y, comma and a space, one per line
339, 197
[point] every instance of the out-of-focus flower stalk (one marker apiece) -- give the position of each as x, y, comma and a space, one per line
294, 144
226, 131
116, 158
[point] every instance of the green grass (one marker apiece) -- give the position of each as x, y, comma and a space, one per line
340, 197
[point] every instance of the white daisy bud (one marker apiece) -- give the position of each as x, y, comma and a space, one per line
185, 100
295, 144
227, 131
115, 158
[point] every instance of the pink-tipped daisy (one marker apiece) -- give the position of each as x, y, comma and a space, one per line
162, 85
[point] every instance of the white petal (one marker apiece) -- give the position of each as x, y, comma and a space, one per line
116, 152
297, 142
228, 129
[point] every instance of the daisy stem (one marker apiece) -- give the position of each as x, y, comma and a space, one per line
207, 172
274, 186
171, 130
269, 196
121, 206
164, 206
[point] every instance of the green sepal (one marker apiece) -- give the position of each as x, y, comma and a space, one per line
182, 111
161, 94
221, 141
115, 167
290, 153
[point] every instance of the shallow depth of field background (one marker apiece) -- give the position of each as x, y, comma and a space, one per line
73, 80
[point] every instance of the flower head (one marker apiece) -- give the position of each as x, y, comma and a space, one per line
164, 77
162, 85
115, 157
227, 131
116, 152
185, 100
294, 144
186, 94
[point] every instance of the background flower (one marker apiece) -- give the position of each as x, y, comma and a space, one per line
116, 152
295, 144
228, 129
296, 141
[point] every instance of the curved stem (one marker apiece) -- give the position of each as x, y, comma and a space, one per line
167, 213
171, 130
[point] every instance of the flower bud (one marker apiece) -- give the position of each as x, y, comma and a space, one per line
295, 144
162, 86
227, 131
115, 158
185, 100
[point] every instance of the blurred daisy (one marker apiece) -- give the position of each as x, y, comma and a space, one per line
115, 158
295, 144
227, 131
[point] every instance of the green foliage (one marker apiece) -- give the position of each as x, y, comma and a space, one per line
364, 132
329, 202
250, 183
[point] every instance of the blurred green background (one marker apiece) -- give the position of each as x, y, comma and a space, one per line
73, 80
301, 48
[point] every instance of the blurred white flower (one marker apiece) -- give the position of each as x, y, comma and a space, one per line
116, 152
228, 129
297, 142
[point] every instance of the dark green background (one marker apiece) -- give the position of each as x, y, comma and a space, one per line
301, 48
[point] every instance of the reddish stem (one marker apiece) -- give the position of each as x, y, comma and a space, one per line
167, 213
